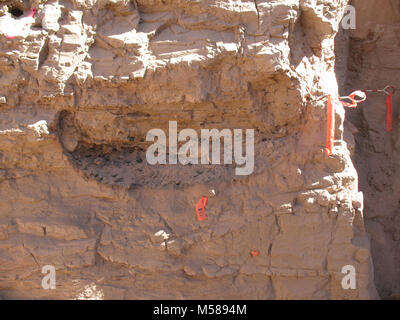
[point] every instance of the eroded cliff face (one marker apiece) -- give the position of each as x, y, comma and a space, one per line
85, 81
373, 63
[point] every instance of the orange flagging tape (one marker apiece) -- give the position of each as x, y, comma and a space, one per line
389, 111
201, 209
389, 90
330, 126
354, 98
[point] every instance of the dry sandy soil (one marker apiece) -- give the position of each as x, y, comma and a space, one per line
82, 83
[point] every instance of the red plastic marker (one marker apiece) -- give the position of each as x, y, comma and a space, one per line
255, 253
201, 209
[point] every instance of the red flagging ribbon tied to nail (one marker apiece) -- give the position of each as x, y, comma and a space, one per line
201, 209
350, 101
389, 90
330, 126
389, 112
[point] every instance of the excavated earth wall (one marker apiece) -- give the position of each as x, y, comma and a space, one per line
83, 83
372, 61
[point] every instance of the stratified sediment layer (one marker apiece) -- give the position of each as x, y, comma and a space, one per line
83, 84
